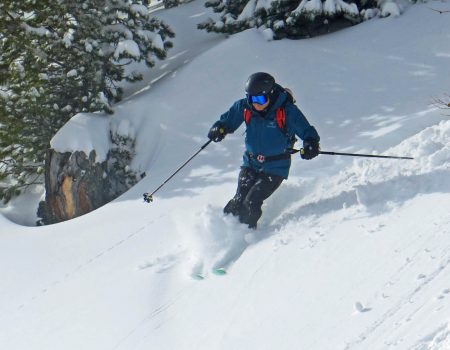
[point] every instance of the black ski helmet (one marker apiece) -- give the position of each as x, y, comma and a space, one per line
259, 84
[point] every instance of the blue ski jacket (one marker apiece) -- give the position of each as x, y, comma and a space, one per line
263, 136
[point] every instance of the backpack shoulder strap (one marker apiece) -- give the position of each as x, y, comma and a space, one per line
281, 112
247, 115
281, 123
280, 117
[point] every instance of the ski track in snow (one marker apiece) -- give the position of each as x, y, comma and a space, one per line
164, 263
394, 310
177, 298
66, 276
416, 296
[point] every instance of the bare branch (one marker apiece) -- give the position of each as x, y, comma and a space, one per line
442, 103
440, 11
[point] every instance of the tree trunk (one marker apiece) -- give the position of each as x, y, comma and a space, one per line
75, 185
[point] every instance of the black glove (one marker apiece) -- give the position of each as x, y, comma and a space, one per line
217, 132
310, 149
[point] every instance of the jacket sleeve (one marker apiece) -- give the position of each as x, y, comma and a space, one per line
298, 124
234, 117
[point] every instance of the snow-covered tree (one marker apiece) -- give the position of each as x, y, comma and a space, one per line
294, 18
64, 57
171, 3
229, 16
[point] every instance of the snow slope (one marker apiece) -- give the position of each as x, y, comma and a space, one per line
350, 253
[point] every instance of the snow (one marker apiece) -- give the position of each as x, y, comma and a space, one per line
268, 34
248, 11
158, 42
390, 8
129, 47
153, 38
43, 76
23, 209
123, 128
68, 37
349, 254
72, 73
139, 9
309, 6
120, 28
331, 7
41, 31
94, 129
88, 47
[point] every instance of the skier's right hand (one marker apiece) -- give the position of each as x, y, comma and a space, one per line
217, 132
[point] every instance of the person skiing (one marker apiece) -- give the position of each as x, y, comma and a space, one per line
272, 120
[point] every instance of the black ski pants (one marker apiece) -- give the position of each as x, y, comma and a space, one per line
253, 188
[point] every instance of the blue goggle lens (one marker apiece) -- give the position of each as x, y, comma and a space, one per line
259, 99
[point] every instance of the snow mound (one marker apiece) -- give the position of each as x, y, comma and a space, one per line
430, 149
95, 131
377, 184
398, 180
391, 8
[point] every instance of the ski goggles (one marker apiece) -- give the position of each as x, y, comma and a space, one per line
258, 99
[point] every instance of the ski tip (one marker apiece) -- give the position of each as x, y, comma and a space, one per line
220, 271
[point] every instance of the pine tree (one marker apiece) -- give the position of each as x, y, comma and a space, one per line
290, 18
229, 16
312, 17
64, 57
171, 3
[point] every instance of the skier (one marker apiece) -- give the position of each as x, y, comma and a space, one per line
272, 120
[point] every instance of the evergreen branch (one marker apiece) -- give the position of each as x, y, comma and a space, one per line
6, 161
34, 182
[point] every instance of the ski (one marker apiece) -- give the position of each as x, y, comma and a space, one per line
199, 276
220, 271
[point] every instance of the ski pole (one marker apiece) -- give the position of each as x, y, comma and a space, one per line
362, 155
149, 197
292, 150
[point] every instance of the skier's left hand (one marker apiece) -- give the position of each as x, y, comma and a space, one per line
310, 150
